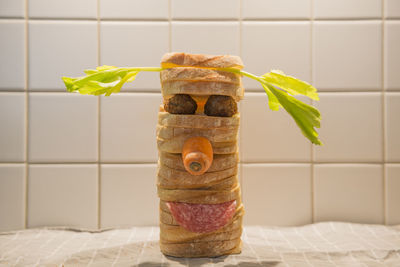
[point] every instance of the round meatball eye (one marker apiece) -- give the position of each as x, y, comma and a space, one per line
180, 104
221, 106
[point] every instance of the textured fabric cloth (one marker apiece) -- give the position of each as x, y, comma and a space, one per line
321, 244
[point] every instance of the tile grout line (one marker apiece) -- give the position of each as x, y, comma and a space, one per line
26, 85
383, 115
312, 176
98, 125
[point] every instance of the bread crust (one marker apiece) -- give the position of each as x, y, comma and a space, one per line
197, 121
202, 60
220, 161
169, 178
194, 196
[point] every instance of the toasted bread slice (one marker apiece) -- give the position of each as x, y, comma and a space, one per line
197, 121
178, 179
214, 134
175, 145
221, 236
202, 249
201, 60
220, 162
199, 196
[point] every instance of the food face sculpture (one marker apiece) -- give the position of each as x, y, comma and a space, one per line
200, 199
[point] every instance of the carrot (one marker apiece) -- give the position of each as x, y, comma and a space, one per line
197, 155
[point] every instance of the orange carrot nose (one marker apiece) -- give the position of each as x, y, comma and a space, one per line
197, 155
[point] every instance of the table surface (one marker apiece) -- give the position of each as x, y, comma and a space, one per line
321, 244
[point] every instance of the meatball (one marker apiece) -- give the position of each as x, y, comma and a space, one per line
221, 106
180, 104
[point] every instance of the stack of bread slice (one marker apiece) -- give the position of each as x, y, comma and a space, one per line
200, 214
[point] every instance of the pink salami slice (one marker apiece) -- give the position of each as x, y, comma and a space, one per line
202, 218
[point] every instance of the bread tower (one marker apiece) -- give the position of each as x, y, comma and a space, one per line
197, 180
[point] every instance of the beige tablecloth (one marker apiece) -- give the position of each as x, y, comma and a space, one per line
322, 244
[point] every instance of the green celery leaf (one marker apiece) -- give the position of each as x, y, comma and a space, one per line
290, 84
272, 100
306, 117
103, 80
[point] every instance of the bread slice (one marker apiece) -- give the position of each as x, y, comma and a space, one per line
214, 134
220, 162
197, 121
199, 196
177, 179
201, 60
198, 81
202, 249
221, 236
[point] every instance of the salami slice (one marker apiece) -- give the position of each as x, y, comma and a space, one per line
202, 218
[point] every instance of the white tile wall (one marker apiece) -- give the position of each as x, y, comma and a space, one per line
60, 48
334, 9
277, 138
128, 195
62, 128
347, 55
12, 196
205, 9
62, 9
12, 8
63, 195
277, 194
392, 55
12, 123
12, 36
346, 192
134, 9
351, 128
287, 47
122, 138
137, 43
271, 9
392, 9
97, 155
205, 37
393, 193
392, 127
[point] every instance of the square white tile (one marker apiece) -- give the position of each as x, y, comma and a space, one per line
351, 127
347, 9
392, 9
129, 195
271, 9
62, 127
12, 8
347, 55
205, 37
276, 45
348, 192
205, 9
134, 9
63, 195
12, 121
60, 48
62, 9
140, 44
12, 54
392, 127
392, 55
128, 127
393, 193
12, 197
270, 136
277, 194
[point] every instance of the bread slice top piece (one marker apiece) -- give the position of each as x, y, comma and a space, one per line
200, 60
